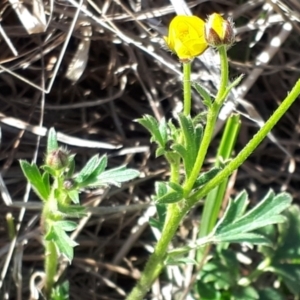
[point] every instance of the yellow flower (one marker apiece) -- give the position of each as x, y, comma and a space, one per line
186, 37
219, 31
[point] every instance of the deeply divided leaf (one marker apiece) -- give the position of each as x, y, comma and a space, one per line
264, 213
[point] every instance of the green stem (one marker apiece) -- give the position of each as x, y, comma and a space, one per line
51, 257
215, 197
224, 75
174, 168
51, 264
155, 263
210, 125
250, 147
187, 88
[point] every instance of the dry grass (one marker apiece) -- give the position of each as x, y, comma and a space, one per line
90, 76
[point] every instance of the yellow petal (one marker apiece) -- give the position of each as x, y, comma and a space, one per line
217, 23
186, 36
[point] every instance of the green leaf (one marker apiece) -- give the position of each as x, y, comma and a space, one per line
222, 276
74, 196
72, 211
245, 293
221, 272
52, 144
116, 176
192, 139
289, 241
71, 166
34, 177
160, 151
66, 225
49, 170
176, 187
161, 213
62, 241
169, 192
160, 188
151, 124
174, 131
155, 223
60, 292
206, 176
180, 150
170, 197
290, 275
285, 255
264, 213
101, 165
163, 130
270, 294
236, 208
203, 93
46, 182
251, 238
207, 291
88, 169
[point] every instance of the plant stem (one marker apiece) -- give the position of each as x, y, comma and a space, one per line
215, 197
224, 75
50, 266
210, 125
51, 257
187, 88
155, 263
174, 213
250, 147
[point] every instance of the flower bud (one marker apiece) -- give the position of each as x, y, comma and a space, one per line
57, 159
186, 37
219, 31
69, 184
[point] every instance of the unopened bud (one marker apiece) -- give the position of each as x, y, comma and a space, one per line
57, 159
219, 31
69, 184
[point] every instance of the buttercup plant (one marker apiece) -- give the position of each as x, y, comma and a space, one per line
58, 187
185, 146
